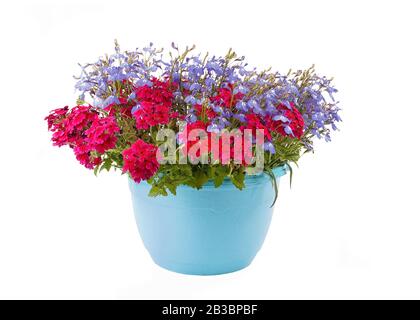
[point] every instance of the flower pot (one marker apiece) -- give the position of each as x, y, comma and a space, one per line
208, 231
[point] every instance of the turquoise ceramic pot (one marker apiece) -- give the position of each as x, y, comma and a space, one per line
207, 231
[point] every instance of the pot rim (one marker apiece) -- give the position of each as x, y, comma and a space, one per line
250, 180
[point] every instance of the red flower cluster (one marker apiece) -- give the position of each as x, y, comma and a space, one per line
209, 113
253, 122
155, 103
226, 98
296, 124
55, 117
83, 154
208, 140
84, 131
69, 128
124, 107
101, 136
184, 138
90, 134
140, 160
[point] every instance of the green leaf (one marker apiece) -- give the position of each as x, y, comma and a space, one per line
220, 174
211, 171
156, 191
172, 188
186, 170
238, 179
274, 183
95, 171
106, 164
218, 181
291, 172
200, 178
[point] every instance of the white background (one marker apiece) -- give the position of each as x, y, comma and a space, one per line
348, 228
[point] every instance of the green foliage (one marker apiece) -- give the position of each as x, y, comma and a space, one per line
219, 174
287, 150
238, 178
274, 182
169, 177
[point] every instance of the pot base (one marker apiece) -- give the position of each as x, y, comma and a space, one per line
201, 270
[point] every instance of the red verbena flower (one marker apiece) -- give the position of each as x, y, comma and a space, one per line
101, 136
159, 92
84, 131
68, 128
253, 122
296, 123
140, 160
183, 137
83, 153
155, 102
79, 119
55, 117
226, 98
209, 113
123, 107
214, 141
176, 115
150, 114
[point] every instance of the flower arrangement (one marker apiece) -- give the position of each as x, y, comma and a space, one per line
129, 100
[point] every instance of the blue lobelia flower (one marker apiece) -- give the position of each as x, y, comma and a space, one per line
239, 116
281, 118
241, 106
268, 146
110, 100
288, 130
135, 108
190, 99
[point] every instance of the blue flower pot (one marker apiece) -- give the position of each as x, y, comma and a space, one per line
208, 231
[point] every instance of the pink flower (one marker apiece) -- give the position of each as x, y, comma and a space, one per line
79, 119
226, 98
69, 127
155, 104
253, 122
84, 131
101, 136
209, 113
150, 115
140, 160
159, 93
124, 107
83, 153
55, 117
297, 124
